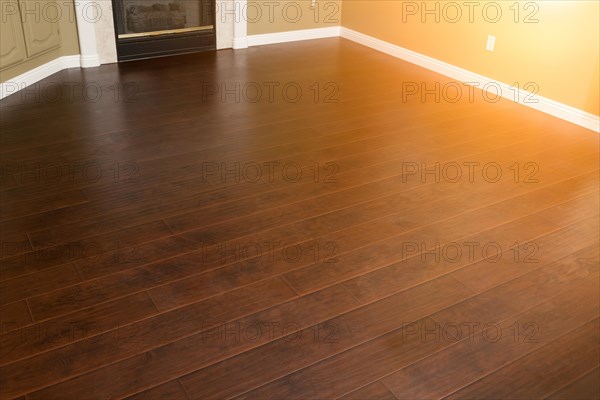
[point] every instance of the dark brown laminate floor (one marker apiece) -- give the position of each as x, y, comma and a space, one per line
285, 222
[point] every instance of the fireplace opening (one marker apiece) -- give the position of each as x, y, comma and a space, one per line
154, 28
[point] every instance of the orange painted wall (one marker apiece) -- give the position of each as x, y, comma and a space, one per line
558, 48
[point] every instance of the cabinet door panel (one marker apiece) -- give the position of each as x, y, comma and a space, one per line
12, 45
40, 25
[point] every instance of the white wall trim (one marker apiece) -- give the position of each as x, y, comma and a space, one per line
87, 34
240, 43
293, 36
92, 60
548, 106
224, 23
240, 25
37, 74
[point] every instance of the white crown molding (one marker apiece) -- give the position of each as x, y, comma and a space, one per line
293, 36
37, 74
548, 106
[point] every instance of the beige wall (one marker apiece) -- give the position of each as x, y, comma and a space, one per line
290, 15
39, 12
559, 52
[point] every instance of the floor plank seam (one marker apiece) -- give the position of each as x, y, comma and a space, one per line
571, 382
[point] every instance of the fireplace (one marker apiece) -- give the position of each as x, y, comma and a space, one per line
154, 28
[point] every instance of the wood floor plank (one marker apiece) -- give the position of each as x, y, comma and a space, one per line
342, 373
169, 391
175, 99
217, 343
109, 318
281, 357
87, 247
317, 110
194, 286
562, 361
25, 286
128, 257
197, 323
586, 387
484, 274
92, 292
374, 391
176, 106
76, 213
14, 316
399, 249
113, 185
416, 265
399, 349
47, 203
14, 244
346, 177
463, 362
110, 222
107, 224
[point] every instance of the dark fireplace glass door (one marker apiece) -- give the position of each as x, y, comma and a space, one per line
149, 28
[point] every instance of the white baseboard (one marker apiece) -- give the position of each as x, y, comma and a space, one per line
293, 36
90, 61
37, 74
240, 43
548, 106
